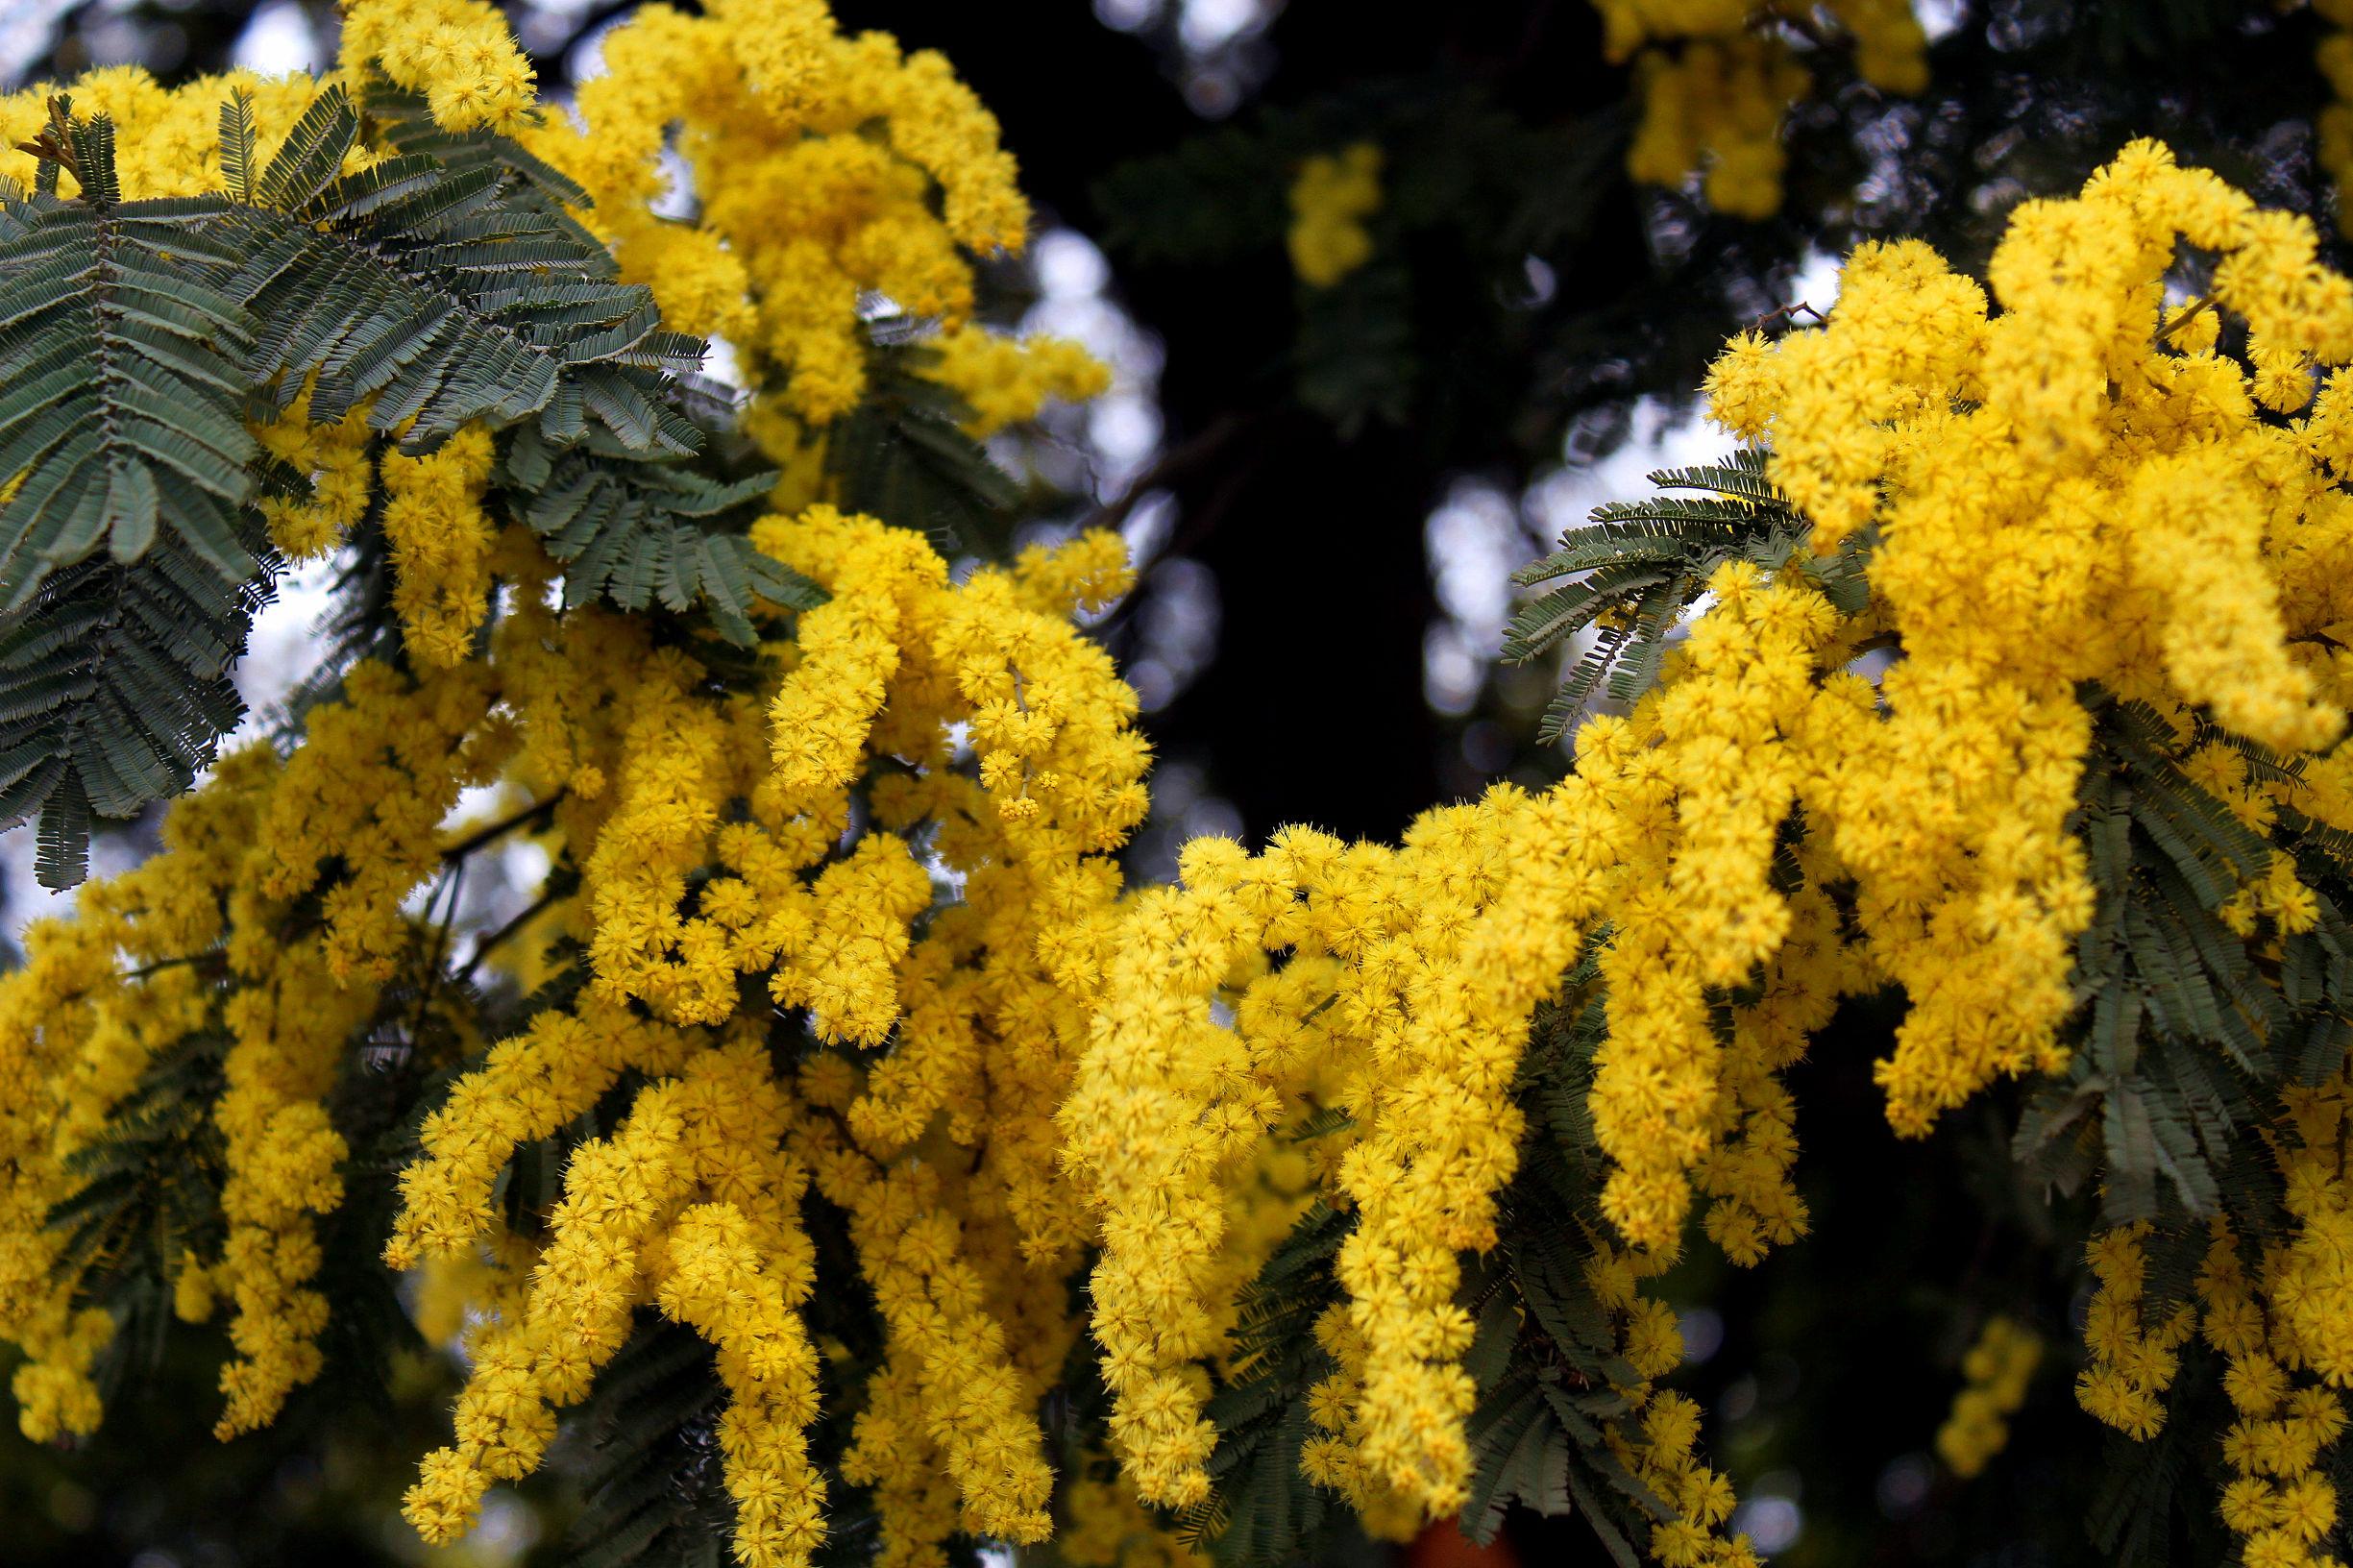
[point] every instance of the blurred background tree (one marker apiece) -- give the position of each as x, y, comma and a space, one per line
1327, 485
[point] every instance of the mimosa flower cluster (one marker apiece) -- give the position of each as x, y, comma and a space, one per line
2279, 1320
167, 139
676, 904
826, 167
2082, 489
1332, 197
1717, 77
2077, 488
1997, 1369
76, 1029
381, 770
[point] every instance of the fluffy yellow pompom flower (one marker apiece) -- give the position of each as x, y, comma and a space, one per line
2134, 1356
1006, 380
77, 1028
166, 140
1329, 200
800, 212
441, 540
2061, 490
457, 53
841, 921
1717, 78
1997, 1368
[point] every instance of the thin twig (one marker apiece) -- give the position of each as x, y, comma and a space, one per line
146, 969
456, 886
481, 950
1200, 522
1186, 454
1790, 313
2185, 318
429, 983
495, 830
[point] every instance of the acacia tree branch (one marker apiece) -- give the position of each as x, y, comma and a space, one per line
476, 840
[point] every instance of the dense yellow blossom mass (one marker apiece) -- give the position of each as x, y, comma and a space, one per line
800, 210
839, 930
1718, 76
2281, 1327
2120, 510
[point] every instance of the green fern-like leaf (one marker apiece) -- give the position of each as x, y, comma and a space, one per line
148, 1193
1260, 1510
640, 532
1637, 567
902, 455
129, 560
1544, 1355
399, 283
238, 154
114, 690
653, 1496
405, 123
118, 337
2180, 1033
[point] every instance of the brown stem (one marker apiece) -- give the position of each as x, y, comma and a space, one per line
2185, 318
495, 830
482, 948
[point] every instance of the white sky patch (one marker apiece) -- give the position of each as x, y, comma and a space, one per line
280, 41
1817, 281
1938, 18
283, 647
1474, 542
281, 650
1661, 437
1121, 430
28, 29
1210, 24
722, 365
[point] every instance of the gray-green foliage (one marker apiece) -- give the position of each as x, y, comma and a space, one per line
2181, 1034
636, 529
130, 558
1544, 1354
447, 296
443, 285
1260, 1510
902, 455
1636, 565
1546, 1357
121, 340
